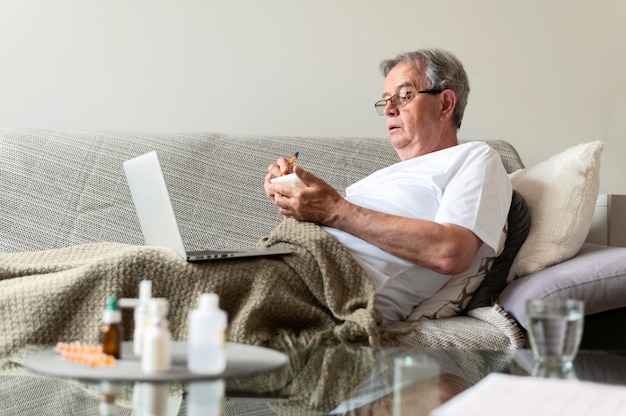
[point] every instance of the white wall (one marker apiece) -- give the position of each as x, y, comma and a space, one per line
545, 75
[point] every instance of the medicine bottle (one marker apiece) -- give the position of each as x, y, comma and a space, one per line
156, 356
111, 331
207, 336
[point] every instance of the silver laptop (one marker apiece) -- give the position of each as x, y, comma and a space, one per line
156, 214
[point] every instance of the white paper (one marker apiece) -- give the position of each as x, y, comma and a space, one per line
503, 394
290, 179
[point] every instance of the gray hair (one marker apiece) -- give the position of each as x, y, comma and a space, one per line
441, 69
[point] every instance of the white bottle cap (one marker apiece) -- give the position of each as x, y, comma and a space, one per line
112, 314
209, 301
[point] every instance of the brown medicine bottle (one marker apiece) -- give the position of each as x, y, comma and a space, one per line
111, 331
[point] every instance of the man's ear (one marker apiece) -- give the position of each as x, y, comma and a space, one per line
448, 103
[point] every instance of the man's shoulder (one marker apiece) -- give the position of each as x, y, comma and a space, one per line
471, 150
474, 145
477, 149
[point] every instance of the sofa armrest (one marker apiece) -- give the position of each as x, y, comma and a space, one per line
596, 275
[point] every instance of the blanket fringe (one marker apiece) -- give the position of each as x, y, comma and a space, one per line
507, 324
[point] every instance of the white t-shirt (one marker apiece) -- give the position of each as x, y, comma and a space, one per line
465, 185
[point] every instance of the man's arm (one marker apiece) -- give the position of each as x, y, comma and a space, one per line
444, 248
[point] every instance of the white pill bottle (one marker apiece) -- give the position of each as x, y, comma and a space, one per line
206, 352
156, 355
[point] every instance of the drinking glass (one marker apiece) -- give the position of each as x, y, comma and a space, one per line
555, 328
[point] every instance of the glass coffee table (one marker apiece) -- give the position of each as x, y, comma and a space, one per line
342, 380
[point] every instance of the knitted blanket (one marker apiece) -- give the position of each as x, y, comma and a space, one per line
316, 295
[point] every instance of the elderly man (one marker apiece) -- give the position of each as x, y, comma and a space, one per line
437, 213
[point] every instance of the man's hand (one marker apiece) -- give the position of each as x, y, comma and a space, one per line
274, 171
316, 202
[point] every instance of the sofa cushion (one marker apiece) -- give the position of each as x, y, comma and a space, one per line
561, 193
518, 225
596, 275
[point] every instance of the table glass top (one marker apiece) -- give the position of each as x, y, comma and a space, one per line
341, 380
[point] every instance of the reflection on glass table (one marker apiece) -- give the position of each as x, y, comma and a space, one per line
339, 380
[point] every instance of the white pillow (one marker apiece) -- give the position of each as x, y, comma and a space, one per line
561, 193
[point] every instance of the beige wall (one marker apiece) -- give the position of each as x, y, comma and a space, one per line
545, 75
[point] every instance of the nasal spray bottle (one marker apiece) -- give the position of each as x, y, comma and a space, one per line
207, 336
141, 315
140, 306
156, 354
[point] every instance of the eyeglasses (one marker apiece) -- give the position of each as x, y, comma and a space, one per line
400, 100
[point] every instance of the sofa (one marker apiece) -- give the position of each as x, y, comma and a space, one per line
67, 188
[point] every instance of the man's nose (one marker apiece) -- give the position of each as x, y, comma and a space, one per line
390, 110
